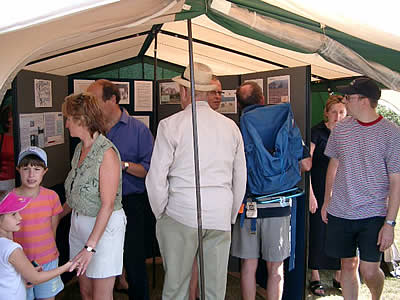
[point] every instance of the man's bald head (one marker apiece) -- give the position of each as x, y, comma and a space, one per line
249, 93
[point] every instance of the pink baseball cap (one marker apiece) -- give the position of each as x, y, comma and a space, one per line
13, 203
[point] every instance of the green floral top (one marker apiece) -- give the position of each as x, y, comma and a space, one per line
82, 184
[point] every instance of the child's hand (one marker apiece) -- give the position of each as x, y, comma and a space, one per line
70, 266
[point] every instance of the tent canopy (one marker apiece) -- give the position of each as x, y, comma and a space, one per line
74, 41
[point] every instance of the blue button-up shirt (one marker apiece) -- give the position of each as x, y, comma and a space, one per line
134, 142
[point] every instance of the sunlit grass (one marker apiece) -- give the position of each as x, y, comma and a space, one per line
391, 289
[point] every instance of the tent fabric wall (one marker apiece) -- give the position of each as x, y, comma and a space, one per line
114, 32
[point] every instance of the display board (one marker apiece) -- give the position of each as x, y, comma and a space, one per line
168, 100
38, 98
292, 85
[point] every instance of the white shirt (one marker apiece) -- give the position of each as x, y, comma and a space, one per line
170, 181
12, 285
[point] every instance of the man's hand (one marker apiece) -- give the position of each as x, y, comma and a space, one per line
324, 214
385, 237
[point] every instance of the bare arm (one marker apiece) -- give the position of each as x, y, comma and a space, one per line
135, 169
386, 234
109, 181
313, 204
66, 211
55, 220
305, 164
29, 273
330, 178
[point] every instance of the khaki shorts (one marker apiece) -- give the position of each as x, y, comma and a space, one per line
272, 237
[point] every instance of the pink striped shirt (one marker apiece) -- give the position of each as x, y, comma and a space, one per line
36, 234
368, 153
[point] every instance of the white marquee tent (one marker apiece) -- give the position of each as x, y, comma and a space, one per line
233, 37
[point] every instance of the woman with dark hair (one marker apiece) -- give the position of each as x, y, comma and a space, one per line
93, 192
334, 111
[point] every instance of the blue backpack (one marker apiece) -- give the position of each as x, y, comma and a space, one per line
273, 147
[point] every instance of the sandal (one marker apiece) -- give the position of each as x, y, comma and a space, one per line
336, 284
316, 285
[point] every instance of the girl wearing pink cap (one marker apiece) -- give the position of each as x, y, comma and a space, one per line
15, 268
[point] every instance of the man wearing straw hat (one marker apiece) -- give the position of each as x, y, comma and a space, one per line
172, 191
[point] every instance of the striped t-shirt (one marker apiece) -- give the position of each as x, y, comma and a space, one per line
367, 154
36, 234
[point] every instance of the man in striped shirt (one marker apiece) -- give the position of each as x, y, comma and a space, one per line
362, 193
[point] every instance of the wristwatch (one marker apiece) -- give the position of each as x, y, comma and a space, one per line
390, 222
89, 249
126, 166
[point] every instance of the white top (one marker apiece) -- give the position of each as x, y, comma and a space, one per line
12, 286
170, 181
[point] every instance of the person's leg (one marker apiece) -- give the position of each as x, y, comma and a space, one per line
85, 287
370, 256
122, 284
275, 280
275, 247
194, 282
134, 253
103, 288
248, 278
349, 278
49, 289
216, 244
373, 277
316, 279
178, 247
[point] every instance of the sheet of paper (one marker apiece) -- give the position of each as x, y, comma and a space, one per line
43, 95
54, 128
144, 119
143, 95
228, 102
81, 85
31, 130
278, 89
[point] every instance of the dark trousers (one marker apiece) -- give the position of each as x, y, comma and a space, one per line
134, 248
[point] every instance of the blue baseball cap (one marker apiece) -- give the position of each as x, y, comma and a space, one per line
39, 152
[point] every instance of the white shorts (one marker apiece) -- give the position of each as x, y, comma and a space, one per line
108, 259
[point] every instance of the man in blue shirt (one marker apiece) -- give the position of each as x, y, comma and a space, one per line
135, 144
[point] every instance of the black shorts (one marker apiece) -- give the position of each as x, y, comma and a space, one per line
343, 237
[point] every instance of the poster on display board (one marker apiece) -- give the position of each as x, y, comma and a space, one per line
144, 119
41, 129
43, 94
124, 91
228, 102
143, 95
81, 85
169, 93
278, 89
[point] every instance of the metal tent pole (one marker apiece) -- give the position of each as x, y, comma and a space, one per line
196, 163
155, 32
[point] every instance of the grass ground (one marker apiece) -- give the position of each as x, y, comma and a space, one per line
391, 289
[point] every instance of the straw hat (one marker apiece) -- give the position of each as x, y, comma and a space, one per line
202, 78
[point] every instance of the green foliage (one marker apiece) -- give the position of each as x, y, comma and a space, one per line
388, 114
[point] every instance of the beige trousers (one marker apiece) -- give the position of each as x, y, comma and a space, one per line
179, 245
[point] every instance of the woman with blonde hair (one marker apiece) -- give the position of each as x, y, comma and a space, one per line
93, 192
334, 112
